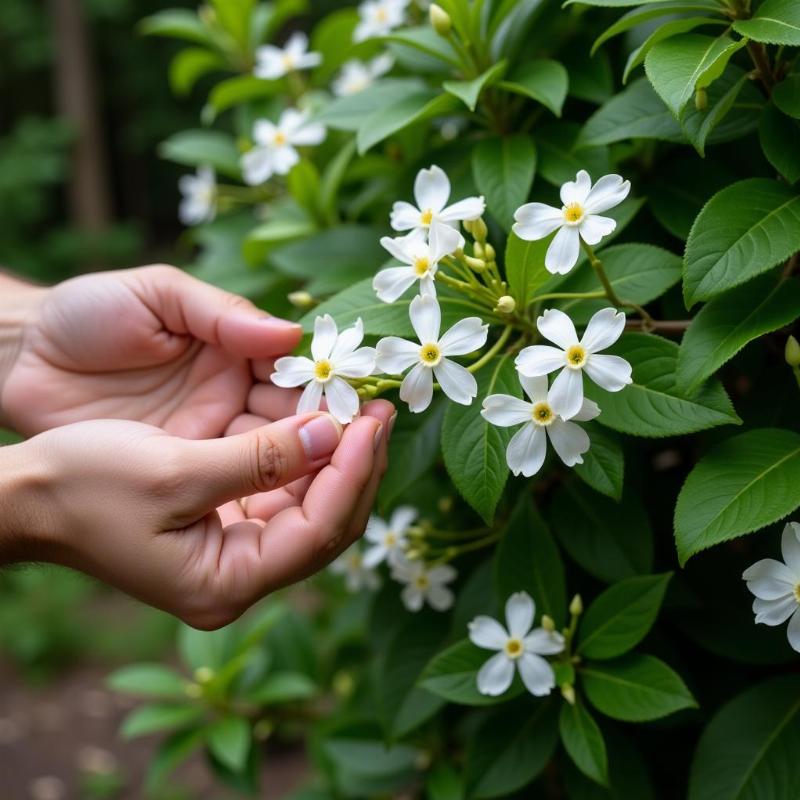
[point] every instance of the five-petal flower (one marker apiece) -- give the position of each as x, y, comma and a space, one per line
379, 18
199, 203
577, 219
611, 373
424, 584
357, 575
335, 357
422, 259
429, 356
518, 647
274, 62
388, 541
356, 75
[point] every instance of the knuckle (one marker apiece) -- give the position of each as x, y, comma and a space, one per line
270, 462
165, 272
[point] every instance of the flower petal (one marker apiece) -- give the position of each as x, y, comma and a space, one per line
342, 400
257, 166
448, 238
774, 612
402, 519
457, 382
325, 335
358, 364
440, 597
578, 190
395, 355
594, 228
404, 216
769, 579
269, 63
466, 210
793, 632
488, 633
544, 643
526, 451
292, 371
536, 386
374, 556
466, 336
376, 529
264, 132
556, 326
611, 373
604, 328
536, 674
520, 610
495, 676
412, 598
589, 411
538, 360
790, 547
432, 189
347, 341
504, 410
444, 573
297, 44
569, 440
537, 220
417, 389
283, 159
426, 318
608, 192
310, 399
562, 254
566, 393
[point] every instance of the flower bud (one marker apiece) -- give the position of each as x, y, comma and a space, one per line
263, 729
475, 264
701, 99
547, 623
576, 606
568, 693
204, 675
506, 305
301, 299
489, 253
193, 690
440, 20
477, 250
479, 230
343, 684
446, 504
792, 352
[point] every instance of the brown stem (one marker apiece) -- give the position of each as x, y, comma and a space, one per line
760, 58
791, 266
667, 326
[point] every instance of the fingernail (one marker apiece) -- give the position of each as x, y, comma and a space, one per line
281, 324
320, 437
376, 442
391, 423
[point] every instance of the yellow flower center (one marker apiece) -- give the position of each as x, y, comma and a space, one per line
576, 357
430, 354
382, 15
323, 370
514, 648
421, 582
390, 540
280, 139
542, 414
288, 61
797, 593
355, 561
421, 266
573, 213
427, 217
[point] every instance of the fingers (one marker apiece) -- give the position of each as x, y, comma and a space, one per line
189, 306
273, 402
260, 460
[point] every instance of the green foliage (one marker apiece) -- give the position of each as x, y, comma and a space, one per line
584, 742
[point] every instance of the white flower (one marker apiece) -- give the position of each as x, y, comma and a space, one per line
527, 449
359, 75
431, 193
422, 258
611, 373
336, 356
274, 151
395, 355
275, 62
199, 203
424, 585
379, 18
517, 645
356, 573
389, 542
777, 586
577, 219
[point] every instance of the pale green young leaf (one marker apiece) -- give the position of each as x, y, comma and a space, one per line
583, 740
283, 687
603, 465
197, 148
177, 24
158, 718
190, 65
349, 112
229, 740
153, 680
235, 92
469, 91
425, 39
774, 22
779, 136
543, 80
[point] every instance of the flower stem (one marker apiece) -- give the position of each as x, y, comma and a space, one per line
493, 351
569, 296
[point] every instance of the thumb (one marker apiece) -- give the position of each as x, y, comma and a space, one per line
261, 459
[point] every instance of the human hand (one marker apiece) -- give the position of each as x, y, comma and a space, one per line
135, 507
150, 344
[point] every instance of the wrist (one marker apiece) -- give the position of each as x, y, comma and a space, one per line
18, 302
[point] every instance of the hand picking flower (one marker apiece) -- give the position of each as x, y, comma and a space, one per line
577, 219
336, 357
379, 18
611, 373
274, 152
355, 75
518, 647
199, 192
357, 575
429, 357
424, 585
388, 541
431, 193
274, 62
527, 449
422, 258
776, 586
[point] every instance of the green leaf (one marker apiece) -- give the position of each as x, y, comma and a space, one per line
561, 155
504, 169
525, 269
229, 740
453, 675
196, 148
543, 80
743, 484
444, 782
613, 3
680, 65
148, 679
744, 230
237, 91
786, 96
635, 688
190, 65
176, 24
511, 748
475, 451
283, 687
176, 749
775, 22
528, 560
234, 17
425, 39
778, 135
385, 319
728, 322
655, 405
621, 616
609, 540
156, 718
749, 748
603, 467
210, 649
584, 742
469, 91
